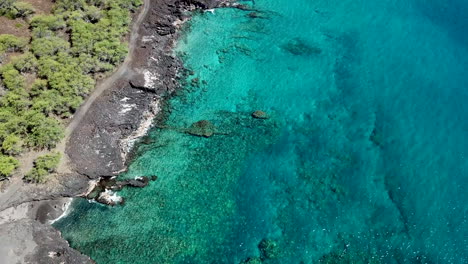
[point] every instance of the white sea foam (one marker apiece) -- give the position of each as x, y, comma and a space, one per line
66, 210
110, 197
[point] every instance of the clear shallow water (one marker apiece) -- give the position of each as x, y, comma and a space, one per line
363, 158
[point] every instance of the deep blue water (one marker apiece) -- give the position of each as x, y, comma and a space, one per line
363, 158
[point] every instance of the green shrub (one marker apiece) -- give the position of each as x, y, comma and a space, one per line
15, 101
111, 51
48, 162
13, 9
50, 22
7, 166
11, 123
11, 77
36, 176
43, 166
12, 145
39, 86
9, 43
23, 9
25, 63
47, 101
43, 132
69, 82
41, 32
47, 66
49, 46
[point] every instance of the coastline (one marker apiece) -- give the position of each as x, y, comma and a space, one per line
100, 137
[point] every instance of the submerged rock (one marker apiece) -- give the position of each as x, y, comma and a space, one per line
297, 46
253, 15
202, 128
260, 115
268, 249
251, 260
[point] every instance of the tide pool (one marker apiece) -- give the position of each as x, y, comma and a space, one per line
363, 158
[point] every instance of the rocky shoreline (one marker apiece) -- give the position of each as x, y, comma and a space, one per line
100, 145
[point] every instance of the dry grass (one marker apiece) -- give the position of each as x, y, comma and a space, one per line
41, 6
17, 27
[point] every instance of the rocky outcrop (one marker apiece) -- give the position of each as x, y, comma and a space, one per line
104, 190
66, 185
28, 241
95, 146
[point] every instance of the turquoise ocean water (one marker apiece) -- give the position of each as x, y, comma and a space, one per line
363, 158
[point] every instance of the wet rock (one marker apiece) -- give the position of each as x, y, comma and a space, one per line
147, 140
260, 115
298, 46
205, 4
139, 182
109, 198
94, 194
139, 82
268, 249
164, 29
203, 128
28, 241
104, 190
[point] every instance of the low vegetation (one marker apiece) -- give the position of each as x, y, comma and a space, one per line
68, 48
43, 166
14, 9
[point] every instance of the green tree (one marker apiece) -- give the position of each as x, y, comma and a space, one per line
111, 51
42, 131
